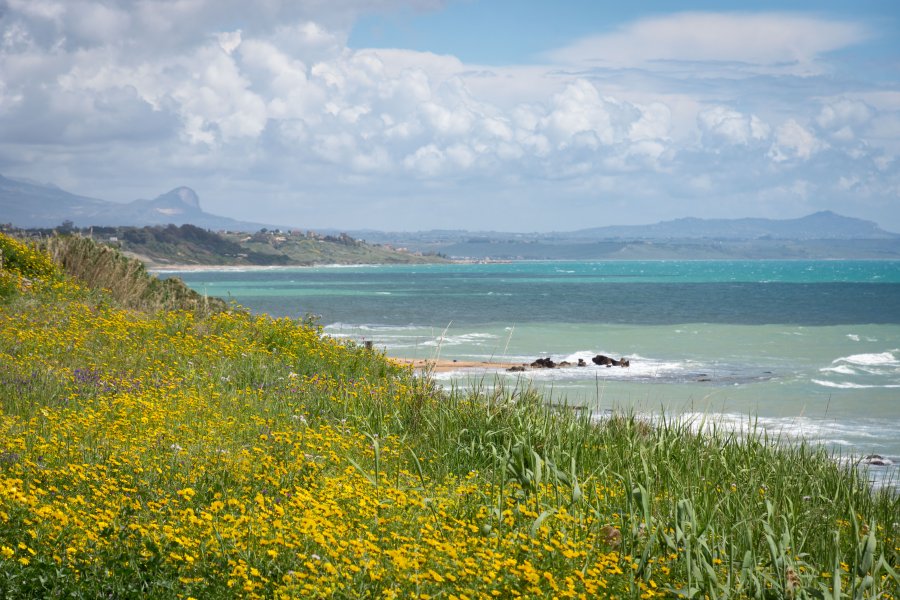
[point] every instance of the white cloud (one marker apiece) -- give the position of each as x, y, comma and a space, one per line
39, 9
841, 120
793, 141
580, 115
721, 125
276, 96
655, 123
98, 23
427, 160
779, 41
844, 112
229, 40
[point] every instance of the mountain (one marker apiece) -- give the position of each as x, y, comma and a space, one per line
32, 205
824, 225
27, 204
822, 235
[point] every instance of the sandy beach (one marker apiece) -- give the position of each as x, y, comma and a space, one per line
155, 267
445, 365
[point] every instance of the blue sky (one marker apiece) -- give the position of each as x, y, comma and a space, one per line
422, 114
508, 32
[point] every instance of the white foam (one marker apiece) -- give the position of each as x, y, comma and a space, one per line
879, 359
370, 327
847, 385
841, 370
457, 340
841, 385
853, 337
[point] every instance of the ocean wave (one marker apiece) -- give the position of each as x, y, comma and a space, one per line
871, 370
457, 340
848, 385
370, 327
840, 370
875, 359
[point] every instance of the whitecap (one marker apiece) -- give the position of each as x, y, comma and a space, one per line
456, 340
881, 358
339, 326
843, 385
841, 370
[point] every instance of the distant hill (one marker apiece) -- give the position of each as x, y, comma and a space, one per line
26, 204
161, 246
822, 235
824, 225
32, 205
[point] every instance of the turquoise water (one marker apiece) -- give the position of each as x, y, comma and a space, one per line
805, 348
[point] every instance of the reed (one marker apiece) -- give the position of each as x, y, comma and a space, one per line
125, 279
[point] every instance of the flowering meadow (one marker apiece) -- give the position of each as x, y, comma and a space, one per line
173, 454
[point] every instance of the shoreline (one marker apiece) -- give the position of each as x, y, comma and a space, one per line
158, 268
446, 365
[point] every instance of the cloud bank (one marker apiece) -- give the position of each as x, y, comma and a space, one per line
266, 111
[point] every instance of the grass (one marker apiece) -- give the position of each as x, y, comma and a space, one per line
217, 454
126, 281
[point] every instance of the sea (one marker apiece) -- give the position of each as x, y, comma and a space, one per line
802, 349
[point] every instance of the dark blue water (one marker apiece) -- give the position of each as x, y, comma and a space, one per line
649, 293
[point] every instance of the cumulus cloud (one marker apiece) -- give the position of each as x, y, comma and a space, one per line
721, 125
793, 141
270, 91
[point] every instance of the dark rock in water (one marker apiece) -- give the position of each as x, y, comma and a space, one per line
516, 369
877, 461
581, 362
602, 360
704, 379
611, 362
564, 363
543, 363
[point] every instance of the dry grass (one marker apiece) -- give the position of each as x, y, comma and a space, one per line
125, 279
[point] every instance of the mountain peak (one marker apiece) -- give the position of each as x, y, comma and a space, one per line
182, 196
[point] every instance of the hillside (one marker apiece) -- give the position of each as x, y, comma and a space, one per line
160, 246
310, 248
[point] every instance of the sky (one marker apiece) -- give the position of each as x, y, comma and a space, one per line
501, 115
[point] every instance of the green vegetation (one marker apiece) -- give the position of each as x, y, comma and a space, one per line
177, 454
310, 248
126, 280
189, 245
